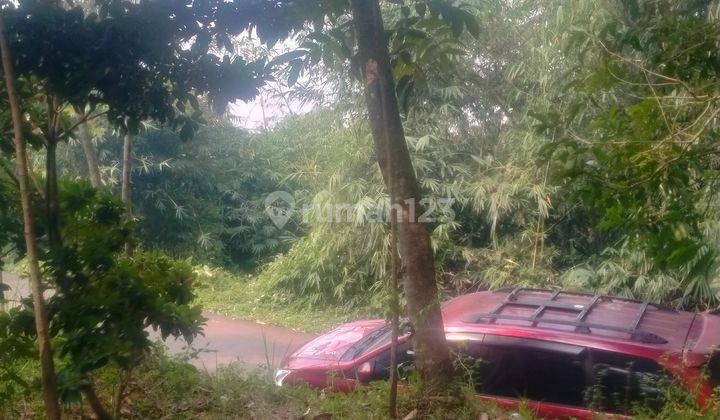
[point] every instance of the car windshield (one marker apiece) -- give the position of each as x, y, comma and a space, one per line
370, 342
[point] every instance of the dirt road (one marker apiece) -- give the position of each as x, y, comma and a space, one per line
225, 341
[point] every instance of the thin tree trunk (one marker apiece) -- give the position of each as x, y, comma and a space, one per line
417, 261
48, 379
120, 392
90, 154
2, 291
95, 404
126, 190
262, 108
36, 184
52, 199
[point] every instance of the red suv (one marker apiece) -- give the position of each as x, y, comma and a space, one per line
565, 354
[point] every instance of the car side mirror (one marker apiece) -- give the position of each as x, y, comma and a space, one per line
364, 373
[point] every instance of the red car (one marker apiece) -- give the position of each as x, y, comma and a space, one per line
564, 354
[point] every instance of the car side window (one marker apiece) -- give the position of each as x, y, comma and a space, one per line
529, 369
405, 361
620, 382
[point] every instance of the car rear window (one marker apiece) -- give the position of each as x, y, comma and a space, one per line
620, 383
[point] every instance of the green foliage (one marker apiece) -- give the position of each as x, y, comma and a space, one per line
678, 404
577, 143
244, 297
103, 302
18, 374
632, 131
10, 226
583, 156
166, 387
107, 58
204, 198
421, 35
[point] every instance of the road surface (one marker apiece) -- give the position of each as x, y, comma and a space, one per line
250, 344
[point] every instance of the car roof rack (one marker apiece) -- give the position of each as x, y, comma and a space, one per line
582, 310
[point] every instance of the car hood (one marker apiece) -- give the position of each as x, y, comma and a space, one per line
331, 346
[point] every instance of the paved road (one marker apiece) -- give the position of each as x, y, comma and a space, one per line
226, 340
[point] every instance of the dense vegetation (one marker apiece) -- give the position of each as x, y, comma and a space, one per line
552, 142
566, 146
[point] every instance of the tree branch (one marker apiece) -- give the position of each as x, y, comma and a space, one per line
82, 120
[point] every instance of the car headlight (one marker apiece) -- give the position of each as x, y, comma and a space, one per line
280, 376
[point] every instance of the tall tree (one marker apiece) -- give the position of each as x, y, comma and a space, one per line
329, 39
417, 261
49, 381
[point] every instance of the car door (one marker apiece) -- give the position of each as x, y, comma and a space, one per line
620, 383
548, 378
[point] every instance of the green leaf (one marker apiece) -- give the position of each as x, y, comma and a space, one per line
471, 24
294, 72
287, 57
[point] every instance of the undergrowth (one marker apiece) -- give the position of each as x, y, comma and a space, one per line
243, 297
171, 388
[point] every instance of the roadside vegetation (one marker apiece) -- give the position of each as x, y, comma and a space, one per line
242, 296
170, 388
552, 145
165, 387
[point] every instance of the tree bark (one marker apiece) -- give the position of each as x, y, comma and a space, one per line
126, 189
90, 154
2, 291
52, 198
417, 262
394, 314
120, 392
95, 404
48, 379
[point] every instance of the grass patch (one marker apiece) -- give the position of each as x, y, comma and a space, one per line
242, 297
168, 388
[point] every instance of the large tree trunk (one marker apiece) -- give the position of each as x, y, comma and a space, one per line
48, 379
90, 155
417, 262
